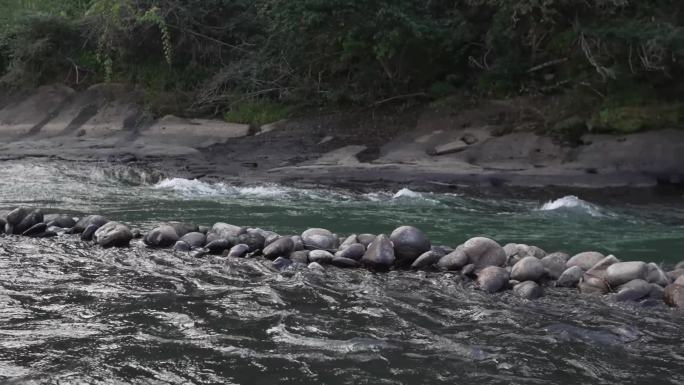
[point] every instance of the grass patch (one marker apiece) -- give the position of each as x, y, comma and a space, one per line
257, 112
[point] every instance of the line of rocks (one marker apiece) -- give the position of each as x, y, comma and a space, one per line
523, 268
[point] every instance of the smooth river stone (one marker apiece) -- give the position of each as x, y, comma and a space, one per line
570, 277
380, 253
455, 260
239, 251
492, 279
633, 290
162, 236
194, 239
113, 234
657, 275
319, 239
620, 273
674, 295
321, 256
554, 264
427, 259
585, 260
528, 269
483, 252
354, 251
528, 290
280, 247
409, 243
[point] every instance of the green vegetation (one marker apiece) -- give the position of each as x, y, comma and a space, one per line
242, 58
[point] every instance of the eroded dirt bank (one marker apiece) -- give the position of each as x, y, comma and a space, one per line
486, 144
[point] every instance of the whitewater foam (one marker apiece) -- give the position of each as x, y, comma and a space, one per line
571, 203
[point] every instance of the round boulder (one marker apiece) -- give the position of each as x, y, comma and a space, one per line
162, 236
238, 251
321, 239
354, 251
585, 260
194, 239
632, 291
528, 290
492, 279
454, 260
554, 264
427, 259
280, 247
113, 234
366, 239
321, 256
528, 269
409, 243
674, 295
380, 253
622, 272
570, 277
657, 275
483, 252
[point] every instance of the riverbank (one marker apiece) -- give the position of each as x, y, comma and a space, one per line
489, 144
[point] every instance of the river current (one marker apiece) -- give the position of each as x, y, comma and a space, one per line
73, 313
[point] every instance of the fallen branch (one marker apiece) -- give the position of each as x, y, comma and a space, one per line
547, 64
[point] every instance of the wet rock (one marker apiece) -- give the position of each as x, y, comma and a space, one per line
620, 273
319, 239
674, 274
31, 219
555, 264
298, 242
354, 251
36, 229
633, 290
113, 234
492, 279
469, 270
517, 251
409, 243
194, 239
89, 232
271, 237
321, 256
528, 289
136, 233
315, 266
570, 277
679, 280
183, 228
83, 223
255, 241
657, 275
674, 295
46, 234
221, 230
280, 247
680, 265
218, 246
345, 262
585, 260
239, 251
528, 269
300, 256
366, 239
182, 246
14, 219
282, 263
483, 252
454, 260
595, 280
3, 224
380, 253
350, 240
204, 229
442, 249
657, 292
60, 220
162, 236
427, 259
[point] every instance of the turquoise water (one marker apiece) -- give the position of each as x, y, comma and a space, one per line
647, 231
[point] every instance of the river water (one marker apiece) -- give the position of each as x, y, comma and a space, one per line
74, 313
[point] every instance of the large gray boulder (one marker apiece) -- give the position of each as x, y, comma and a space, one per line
300, 256
409, 243
283, 246
427, 259
194, 239
354, 251
221, 230
319, 239
528, 290
528, 269
321, 256
674, 295
620, 273
350, 240
517, 251
254, 240
555, 264
674, 274
657, 275
239, 251
345, 262
21, 219
492, 279
162, 236
380, 253
113, 234
88, 221
633, 290
483, 252
59, 220
183, 228
585, 260
680, 265
594, 280
570, 277
455, 260
366, 239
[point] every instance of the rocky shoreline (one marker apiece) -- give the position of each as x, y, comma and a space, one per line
525, 269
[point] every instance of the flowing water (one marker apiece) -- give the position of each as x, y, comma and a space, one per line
71, 312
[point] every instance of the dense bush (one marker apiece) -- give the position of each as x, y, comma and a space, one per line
227, 52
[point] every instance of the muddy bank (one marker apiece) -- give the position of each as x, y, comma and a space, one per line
484, 144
